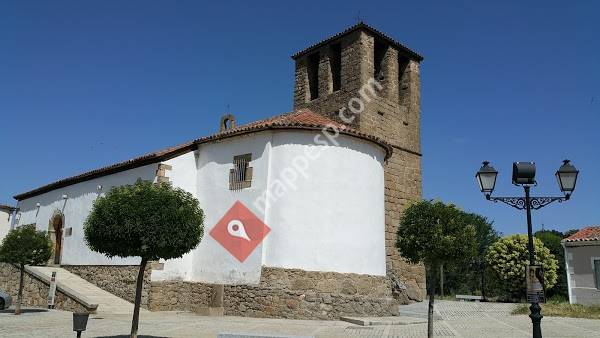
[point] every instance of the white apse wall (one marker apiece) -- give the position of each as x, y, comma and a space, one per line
331, 218
332, 221
335, 219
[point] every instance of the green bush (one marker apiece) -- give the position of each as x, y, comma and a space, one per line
551, 240
509, 258
25, 246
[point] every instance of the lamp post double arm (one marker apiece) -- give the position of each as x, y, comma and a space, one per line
524, 175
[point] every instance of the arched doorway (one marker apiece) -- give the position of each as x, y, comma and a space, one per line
55, 229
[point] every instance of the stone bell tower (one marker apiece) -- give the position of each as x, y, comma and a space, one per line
374, 81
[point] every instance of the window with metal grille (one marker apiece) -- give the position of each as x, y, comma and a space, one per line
240, 176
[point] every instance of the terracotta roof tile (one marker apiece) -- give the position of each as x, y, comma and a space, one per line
591, 233
300, 119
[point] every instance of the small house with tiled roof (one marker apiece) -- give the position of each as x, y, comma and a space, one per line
6, 217
582, 257
301, 209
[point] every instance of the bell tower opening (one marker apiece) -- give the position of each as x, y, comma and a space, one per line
313, 75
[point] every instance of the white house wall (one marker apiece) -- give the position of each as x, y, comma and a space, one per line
579, 258
4, 223
76, 208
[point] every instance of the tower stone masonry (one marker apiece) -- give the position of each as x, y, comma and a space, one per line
339, 73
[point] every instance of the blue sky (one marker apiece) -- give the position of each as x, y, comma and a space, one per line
88, 83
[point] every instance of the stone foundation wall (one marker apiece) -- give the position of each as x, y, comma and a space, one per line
179, 296
286, 293
117, 279
35, 292
293, 293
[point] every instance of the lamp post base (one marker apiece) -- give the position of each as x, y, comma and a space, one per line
536, 319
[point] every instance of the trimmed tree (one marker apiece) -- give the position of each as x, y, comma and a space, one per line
509, 258
434, 233
25, 246
146, 220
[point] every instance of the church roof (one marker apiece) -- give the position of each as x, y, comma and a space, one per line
362, 26
301, 119
6, 207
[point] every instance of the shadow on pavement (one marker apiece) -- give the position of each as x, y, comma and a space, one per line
127, 336
24, 311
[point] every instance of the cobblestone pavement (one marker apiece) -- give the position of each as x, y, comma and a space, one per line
459, 319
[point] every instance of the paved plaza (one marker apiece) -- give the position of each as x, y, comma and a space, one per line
458, 319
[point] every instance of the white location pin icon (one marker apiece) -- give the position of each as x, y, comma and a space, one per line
236, 229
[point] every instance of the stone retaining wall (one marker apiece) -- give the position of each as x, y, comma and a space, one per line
35, 292
179, 296
286, 293
299, 294
283, 293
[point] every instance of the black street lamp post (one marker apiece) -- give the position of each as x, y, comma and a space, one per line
524, 175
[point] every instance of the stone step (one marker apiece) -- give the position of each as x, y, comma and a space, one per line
396, 320
83, 291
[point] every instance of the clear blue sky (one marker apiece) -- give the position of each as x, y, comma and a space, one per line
88, 83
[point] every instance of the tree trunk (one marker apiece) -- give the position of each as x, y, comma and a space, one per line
442, 280
138, 298
20, 294
483, 283
431, 300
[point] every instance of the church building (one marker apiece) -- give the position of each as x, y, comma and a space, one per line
301, 209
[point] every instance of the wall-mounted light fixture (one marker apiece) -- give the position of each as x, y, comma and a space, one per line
37, 209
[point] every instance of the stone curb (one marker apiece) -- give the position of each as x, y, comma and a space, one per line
370, 321
256, 335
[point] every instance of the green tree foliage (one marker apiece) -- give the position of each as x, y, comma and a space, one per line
147, 220
435, 233
509, 258
570, 232
551, 240
485, 236
25, 246
473, 277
